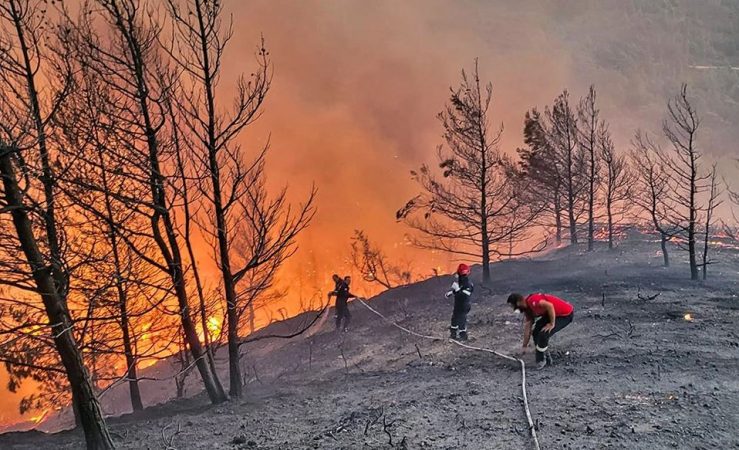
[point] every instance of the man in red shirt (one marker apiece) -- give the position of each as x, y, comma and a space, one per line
550, 313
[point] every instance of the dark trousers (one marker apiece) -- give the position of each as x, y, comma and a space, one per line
342, 312
459, 315
541, 338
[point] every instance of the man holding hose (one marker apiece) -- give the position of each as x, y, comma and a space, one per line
548, 314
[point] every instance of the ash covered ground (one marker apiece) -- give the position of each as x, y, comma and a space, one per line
630, 371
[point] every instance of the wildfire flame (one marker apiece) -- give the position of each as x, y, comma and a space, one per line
148, 362
144, 329
38, 418
214, 327
688, 317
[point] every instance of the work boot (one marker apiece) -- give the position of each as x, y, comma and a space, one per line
541, 364
463, 335
452, 333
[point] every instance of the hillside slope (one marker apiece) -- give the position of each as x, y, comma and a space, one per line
628, 373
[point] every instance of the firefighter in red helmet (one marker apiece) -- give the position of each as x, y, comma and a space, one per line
462, 291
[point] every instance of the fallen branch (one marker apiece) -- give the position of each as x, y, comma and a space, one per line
386, 429
649, 297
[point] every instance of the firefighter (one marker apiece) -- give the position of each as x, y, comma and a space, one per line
337, 284
548, 314
462, 291
342, 294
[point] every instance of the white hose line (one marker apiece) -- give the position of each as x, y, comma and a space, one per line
532, 429
399, 326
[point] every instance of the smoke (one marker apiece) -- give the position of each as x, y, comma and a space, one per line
358, 85
357, 88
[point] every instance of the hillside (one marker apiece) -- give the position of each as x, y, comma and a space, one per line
630, 372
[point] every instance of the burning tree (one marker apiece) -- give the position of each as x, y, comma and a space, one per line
468, 211
115, 280
32, 221
232, 185
128, 59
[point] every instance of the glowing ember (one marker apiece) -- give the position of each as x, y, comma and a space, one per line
688, 317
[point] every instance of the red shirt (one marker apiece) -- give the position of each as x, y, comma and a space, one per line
561, 307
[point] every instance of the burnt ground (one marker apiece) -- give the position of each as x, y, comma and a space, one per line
629, 372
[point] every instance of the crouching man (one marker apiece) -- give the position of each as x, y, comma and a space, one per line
550, 313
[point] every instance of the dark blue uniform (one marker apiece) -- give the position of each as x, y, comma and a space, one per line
462, 290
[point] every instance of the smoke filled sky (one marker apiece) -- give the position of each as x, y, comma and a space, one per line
357, 86
356, 90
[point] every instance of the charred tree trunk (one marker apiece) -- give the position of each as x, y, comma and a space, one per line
191, 252
133, 379
128, 347
125, 21
589, 118
83, 395
663, 245
228, 181
171, 252
229, 286
485, 237
687, 180
609, 207
692, 220
591, 204
174, 262
558, 215
713, 202
571, 203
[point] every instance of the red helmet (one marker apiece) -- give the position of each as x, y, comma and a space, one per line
463, 269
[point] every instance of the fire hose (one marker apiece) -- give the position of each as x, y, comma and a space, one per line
532, 428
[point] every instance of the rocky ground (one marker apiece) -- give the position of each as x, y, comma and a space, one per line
630, 372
